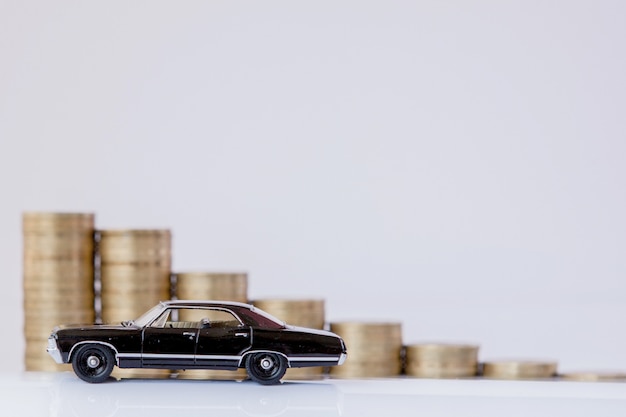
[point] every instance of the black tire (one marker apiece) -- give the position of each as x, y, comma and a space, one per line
93, 363
266, 368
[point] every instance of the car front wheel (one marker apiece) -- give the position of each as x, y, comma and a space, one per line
266, 368
93, 363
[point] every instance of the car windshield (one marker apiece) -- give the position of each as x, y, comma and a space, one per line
148, 316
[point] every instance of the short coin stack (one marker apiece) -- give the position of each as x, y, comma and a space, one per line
519, 369
374, 349
441, 360
303, 313
224, 286
135, 270
594, 376
58, 279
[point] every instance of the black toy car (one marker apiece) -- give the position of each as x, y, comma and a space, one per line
196, 335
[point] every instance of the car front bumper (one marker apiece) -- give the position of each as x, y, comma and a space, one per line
53, 350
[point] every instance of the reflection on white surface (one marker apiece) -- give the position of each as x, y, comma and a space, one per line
61, 395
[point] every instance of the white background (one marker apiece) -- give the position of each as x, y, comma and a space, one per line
457, 165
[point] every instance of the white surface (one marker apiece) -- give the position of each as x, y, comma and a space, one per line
38, 394
457, 166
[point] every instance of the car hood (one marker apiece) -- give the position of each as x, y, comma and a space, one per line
90, 327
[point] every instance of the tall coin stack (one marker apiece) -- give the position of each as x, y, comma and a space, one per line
374, 349
304, 313
441, 360
224, 286
58, 279
135, 270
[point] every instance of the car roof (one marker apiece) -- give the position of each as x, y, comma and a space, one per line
205, 303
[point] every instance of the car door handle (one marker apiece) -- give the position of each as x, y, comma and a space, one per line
190, 334
241, 334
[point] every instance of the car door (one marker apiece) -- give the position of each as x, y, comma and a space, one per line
169, 342
222, 339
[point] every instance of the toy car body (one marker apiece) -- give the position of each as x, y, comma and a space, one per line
196, 335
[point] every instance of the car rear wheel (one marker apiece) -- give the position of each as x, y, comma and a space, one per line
93, 363
266, 368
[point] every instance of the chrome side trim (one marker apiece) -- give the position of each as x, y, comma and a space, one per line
178, 356
95, 342
129, 355
239, 358
313, 359
188, 356
226, 357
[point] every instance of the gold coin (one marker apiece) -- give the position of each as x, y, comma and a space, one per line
594, 376
133, 234
304, 374
304, 313
117, 315
56, 267
157, 284
132, 373
45, 365
239, 374
519, 370
134, 301
58, 314
441, 360
46, 305
212, 286
365, 330
374, 349
38, 222
135, 246
44, 285
58, 246
124, 272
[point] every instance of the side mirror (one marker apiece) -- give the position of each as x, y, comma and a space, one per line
204, 322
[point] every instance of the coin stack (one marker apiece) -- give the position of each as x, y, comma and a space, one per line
222, 286
441, 360
519, 370
58, 279
374, 349
303, 313
135, 270
594, 376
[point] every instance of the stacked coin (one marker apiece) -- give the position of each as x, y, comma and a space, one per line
374, 349
303, 313
135, 270
58, 279
224, 286
441, 360
594, 376
519, 369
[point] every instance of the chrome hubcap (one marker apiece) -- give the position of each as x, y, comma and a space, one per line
267, 363
93, 361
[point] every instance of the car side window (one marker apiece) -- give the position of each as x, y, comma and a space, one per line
162, 319
213, 318
195, 318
